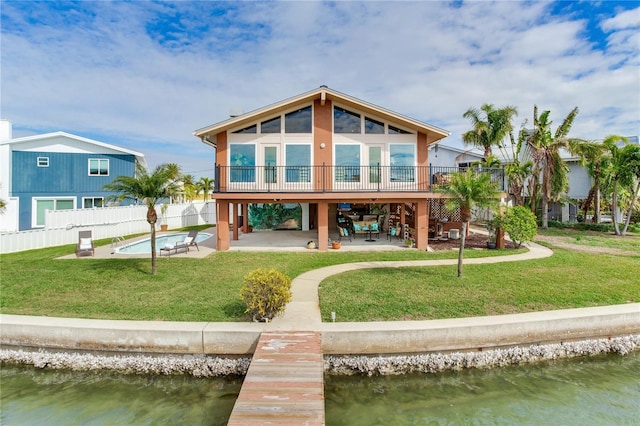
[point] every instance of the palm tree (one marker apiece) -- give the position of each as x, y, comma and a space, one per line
594, 156
545, 146
189, 188
149, 188
517, 174
622, 172
490, 126
470, 189
206, 186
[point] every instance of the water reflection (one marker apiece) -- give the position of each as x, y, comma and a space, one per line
31, 396
601, 390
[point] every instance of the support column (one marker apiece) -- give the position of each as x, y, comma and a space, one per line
305, 216
428, 204
323, 226
245, 216
222, 225
565, 213
422, 223
236, 219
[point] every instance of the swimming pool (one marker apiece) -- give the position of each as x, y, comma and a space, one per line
144, 246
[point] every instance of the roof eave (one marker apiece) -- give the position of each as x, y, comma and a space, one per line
322, 94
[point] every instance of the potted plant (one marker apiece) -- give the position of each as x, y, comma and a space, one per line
163, 210
336, 245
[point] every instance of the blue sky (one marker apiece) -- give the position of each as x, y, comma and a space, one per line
144, 75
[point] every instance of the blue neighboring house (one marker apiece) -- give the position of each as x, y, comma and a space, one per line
57, 171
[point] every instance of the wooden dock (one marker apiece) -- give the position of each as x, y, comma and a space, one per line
284, 384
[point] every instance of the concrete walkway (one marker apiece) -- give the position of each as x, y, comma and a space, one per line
303, 312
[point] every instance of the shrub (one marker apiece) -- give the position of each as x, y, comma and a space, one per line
520, 223
265, 293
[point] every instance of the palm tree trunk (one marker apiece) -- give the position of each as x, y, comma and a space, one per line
153, 249
460, 252
587, 203
545, 212
152, 218
633, 198
596, 185
614, 208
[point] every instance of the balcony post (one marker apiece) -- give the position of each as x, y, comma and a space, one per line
216, 179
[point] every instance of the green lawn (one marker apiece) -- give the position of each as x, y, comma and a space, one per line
36, 283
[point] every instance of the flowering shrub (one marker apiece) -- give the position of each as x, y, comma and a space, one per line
265, 293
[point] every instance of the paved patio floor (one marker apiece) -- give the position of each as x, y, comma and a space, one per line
254, 241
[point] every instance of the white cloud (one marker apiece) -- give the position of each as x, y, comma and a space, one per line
109, 68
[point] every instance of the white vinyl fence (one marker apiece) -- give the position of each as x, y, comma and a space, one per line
62, 226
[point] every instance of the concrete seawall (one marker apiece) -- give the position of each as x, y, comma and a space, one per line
464, 334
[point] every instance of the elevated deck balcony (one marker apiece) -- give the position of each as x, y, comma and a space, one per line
339, 179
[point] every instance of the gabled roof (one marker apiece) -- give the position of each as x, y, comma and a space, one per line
434, 134
105, 146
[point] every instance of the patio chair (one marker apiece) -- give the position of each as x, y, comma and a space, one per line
85, 244
189, 241
343, 232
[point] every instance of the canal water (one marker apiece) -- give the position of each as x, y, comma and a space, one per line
601, 390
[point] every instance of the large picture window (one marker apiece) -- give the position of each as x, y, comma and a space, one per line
242, 159
348, 163
345, 121
98, 167
50, 204
298, 121
298, 163
403, 160
373, 127
271, 126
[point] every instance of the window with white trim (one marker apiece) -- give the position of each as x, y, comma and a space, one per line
298, 161
242, 162
98, 167
347, 162
42, 161
402, 158
91, 202
41, 205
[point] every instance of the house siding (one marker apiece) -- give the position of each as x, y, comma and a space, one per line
66, 176
326, 186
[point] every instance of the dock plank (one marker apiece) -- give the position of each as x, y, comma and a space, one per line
284, 384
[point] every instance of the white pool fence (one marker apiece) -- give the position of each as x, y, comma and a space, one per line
62, 226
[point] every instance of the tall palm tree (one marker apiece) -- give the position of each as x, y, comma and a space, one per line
545, 146
206, 186
622, 172
189, 188
175, 174
490, 126
149, 188
594, 156
470, 189
517, 174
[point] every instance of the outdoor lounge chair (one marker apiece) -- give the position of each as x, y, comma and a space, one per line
85, 244
189, 241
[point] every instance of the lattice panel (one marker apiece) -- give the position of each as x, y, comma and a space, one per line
439, 210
